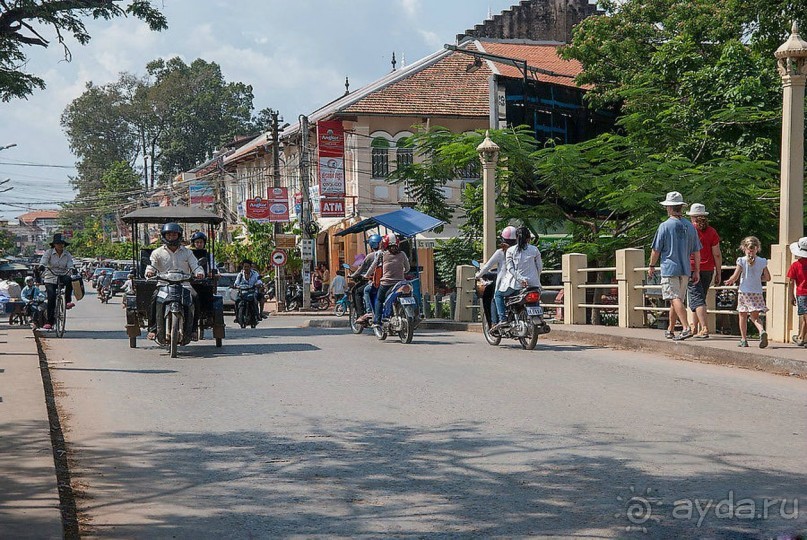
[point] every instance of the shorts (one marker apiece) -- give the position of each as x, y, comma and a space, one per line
696, 292
749, 302
801, 302
672, 287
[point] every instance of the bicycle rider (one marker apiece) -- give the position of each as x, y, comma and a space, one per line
57, 265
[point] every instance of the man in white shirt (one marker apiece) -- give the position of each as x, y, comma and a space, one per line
172, 255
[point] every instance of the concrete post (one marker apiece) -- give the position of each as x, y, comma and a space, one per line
572, 295
489, 156
627, 277
781, 318
466, 293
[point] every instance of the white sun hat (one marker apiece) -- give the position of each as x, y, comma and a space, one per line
673, 199
697, 209
799, 249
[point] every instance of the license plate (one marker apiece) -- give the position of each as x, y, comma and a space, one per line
535, 311
407, 300
162, 294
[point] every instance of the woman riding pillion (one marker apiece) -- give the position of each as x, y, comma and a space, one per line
524, 265
497, 261
57, 265
374, 242
394, 266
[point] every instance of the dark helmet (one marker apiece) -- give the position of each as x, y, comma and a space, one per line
374, 241
198, 235
171, 227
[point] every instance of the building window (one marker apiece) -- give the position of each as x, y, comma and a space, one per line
470, 171
380, 157
404, 157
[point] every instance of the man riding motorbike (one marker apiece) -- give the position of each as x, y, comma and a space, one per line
395, 265
364, 289
524, 265
172, 255
104, 281
30, 294
247, 277
57, 264
497, 260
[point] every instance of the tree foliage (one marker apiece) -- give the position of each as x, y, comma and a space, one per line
7, 241
25, 23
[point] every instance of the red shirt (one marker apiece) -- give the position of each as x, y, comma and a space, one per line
798, 273
709, 238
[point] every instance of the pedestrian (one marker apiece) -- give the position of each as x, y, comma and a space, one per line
797, 287
674, 245
751, 271
711, 262
338, 286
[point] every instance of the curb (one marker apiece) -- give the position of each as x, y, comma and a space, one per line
679, 350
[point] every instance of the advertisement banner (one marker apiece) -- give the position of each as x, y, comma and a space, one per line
258, 209
201, 194
279, 205
332, 207
331, 158
331, 176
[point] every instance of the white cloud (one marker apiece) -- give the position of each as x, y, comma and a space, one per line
411, 7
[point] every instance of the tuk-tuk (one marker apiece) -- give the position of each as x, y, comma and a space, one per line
138, 299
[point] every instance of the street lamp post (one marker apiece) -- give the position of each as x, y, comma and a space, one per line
489, 155
791, 60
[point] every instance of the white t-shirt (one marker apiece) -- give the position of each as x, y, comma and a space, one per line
525, 265
751, 276
338, 285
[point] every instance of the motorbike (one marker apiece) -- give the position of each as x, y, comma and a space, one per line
174, 311
247, 312
400, 314
523, 313
104, 294
356, 308
294, 298
36, 313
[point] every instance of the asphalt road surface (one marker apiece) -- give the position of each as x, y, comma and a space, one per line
290, 431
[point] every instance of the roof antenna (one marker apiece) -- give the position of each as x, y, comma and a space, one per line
393, 61
490, 13
347, 86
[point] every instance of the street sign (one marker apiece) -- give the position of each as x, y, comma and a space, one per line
307, 249
278, 257
285, 241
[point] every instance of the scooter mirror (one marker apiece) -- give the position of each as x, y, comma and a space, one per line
475, 263
346, 266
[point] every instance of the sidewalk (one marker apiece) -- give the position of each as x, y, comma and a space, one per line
777, 358
29, 499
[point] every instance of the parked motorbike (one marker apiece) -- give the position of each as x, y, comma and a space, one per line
36, 313
174, 311
294, 298
524, 314
400, 314
247, 312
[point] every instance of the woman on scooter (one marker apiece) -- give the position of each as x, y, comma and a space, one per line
497, 261
395, 265
524, 265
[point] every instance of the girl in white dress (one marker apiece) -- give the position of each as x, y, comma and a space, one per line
751, 271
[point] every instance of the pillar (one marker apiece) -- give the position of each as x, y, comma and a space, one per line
627, 277
572, 295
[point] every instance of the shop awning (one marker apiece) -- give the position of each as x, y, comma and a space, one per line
406, 222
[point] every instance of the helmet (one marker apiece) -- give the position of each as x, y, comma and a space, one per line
29, 280
390, 240
171, 227
509, 233
198, 235
374, 241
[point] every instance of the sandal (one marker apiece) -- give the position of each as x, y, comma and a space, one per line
668, 334
743, 343
703, 334
763, 340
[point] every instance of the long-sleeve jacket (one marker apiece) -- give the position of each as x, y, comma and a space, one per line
394, 267
497, 260
525, 265
29, 294
56, 265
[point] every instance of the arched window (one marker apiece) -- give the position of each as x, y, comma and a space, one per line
404, 157
380, 156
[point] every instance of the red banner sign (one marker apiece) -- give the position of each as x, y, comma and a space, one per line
278, 205
258, 209
331, 159
332, 207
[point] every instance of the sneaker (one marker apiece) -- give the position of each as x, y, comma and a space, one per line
686, 333
47, 327
795, 338
669, 334
703, 334
763, 340
152, 336
70, 305
743, 343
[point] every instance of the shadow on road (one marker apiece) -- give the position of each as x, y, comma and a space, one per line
135, 371
374, 479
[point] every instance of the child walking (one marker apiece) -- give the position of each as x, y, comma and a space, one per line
797, 279
751, 271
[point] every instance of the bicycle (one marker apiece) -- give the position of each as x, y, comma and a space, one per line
60, 312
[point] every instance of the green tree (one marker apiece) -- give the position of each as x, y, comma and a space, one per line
24, 23
7, 241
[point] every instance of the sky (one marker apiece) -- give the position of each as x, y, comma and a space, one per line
295, 54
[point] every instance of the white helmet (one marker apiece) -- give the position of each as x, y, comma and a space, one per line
509, 233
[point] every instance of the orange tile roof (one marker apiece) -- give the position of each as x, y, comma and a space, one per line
443, 88
30, 217
543, 56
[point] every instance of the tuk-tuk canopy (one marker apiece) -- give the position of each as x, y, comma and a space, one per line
406, 222
168, 214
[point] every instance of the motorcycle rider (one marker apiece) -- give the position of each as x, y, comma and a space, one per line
172, 255
199, 242
524, 265
104, 280
364, 290
395, 265
57, 264
497, 260
30, 294
247, 277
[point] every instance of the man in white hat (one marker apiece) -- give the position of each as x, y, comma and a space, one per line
675, 243
711, 261
797, 287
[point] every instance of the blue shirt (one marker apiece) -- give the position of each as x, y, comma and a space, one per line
676, 240
29, 294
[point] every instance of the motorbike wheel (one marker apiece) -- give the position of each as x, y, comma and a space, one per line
380, 333
407, 331
354, 326
490, 338
175, 323
531, 340
132, 342
323, 303
292, 305
340, 309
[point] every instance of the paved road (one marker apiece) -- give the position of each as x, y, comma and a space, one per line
292, 431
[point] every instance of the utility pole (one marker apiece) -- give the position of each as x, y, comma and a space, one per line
279, 289
305, 218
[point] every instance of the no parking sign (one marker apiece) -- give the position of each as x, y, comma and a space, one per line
278, 257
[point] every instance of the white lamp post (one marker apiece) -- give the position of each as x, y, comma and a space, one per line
489, 155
